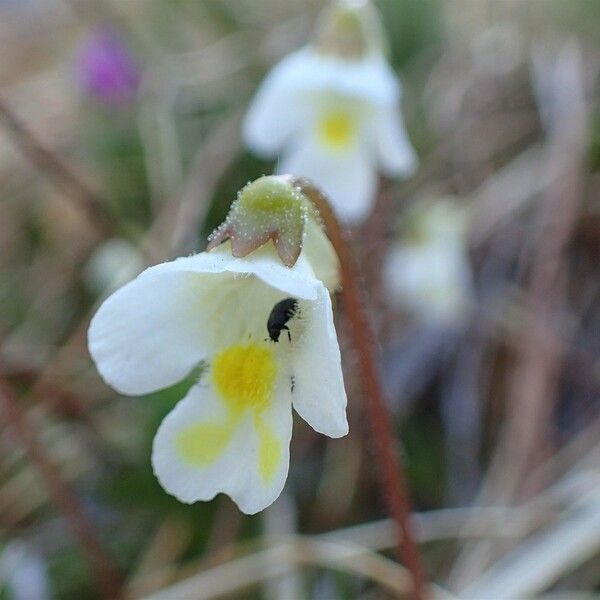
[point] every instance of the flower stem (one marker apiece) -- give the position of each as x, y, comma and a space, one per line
393, 481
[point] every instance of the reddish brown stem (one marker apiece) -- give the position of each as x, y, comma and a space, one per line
65, 499
391, 470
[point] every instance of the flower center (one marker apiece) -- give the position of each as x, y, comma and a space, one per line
336, 129
243, 376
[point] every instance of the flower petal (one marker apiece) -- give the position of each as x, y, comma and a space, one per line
348, 178
275, 111
394, 150
433, 282
297, 281
141, 338
321, 255
153, 331
369, 78
319, 396
282, 104
199, 451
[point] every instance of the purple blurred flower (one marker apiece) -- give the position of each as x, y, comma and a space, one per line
106, 67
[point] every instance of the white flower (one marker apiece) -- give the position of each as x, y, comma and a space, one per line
334, 118
111, 265
231, 432
23, 572
428, 272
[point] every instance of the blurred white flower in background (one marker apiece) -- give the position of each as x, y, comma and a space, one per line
427, 272
331, 112
555, 75
111, 265
23, 572
265, 337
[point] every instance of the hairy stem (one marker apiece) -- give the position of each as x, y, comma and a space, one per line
393, 481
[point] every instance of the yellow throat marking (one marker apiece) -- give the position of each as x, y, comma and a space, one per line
243, 377
336, 129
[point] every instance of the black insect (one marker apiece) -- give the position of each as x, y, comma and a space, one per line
282, 312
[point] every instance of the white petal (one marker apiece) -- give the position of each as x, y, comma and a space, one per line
235, 470
24, 572
394, 150
319, 396
370, 78
113, 264
276, 111
153, 331
142, 337
297, 281
348, 178
283, 107
319, 252
434, 281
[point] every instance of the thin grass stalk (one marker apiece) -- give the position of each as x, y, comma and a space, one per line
101, 564
47, 161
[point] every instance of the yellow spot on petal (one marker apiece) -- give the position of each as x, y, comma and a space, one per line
269, 451
202, 443
337, 129
243, 376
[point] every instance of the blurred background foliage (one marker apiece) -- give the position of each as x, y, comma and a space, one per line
165, 160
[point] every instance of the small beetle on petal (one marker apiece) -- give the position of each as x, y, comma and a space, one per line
232, 431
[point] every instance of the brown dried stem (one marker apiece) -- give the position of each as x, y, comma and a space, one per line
525, 439
539, 349
393, 480
65, 499
45, 160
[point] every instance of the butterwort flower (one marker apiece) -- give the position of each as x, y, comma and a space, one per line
106, 67
111, 265
427, 272
264, 336
23, 571
331, 112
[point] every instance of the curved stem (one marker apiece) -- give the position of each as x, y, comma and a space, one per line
391, 471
